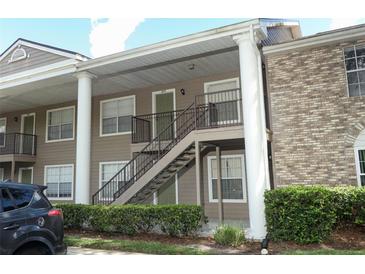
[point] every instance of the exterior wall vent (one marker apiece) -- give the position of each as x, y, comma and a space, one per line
18, 54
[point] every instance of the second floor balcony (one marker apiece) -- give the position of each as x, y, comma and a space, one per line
212, 110
17, 145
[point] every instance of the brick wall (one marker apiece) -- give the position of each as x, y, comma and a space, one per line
314, 122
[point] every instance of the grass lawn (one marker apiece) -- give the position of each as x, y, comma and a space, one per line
324, 252
149, 247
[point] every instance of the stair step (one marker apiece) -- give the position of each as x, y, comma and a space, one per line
182, 158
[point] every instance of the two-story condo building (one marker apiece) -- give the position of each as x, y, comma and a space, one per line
214, 118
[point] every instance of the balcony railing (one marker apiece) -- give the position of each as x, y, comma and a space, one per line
213, 109
18, 143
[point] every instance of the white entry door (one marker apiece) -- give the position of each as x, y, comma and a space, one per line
26, 175
224, 95
28, 130
163, 105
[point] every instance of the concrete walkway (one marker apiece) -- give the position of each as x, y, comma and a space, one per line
89, 251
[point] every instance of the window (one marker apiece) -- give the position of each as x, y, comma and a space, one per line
116, 116
233, 178
361, 166
7, 203
107, 171
39, 201
2, 131
22, 197
59, 180
355, 70
60, 124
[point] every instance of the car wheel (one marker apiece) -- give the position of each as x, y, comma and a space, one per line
36, 250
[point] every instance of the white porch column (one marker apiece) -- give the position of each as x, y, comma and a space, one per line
254, 131
82, 185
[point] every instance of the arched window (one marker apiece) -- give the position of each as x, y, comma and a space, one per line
18, 54
359, 148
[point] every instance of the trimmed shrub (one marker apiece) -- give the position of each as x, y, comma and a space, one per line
308, 214
229, 236
301, 214
175, 220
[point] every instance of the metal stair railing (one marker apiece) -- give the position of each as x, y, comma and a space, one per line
182, 125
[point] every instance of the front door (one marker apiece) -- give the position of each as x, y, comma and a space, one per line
28, 130
26, 175
163, 107
222, 97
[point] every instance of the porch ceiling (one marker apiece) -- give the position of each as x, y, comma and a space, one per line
167, 66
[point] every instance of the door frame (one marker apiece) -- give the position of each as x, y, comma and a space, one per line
22, 129
154, 93
237, 80
21, 172
22, 121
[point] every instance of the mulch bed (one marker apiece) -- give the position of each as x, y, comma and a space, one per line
350, 237
347, 237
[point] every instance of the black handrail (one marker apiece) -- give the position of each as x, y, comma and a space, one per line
146, 158
224, 110
219, 109
18, 143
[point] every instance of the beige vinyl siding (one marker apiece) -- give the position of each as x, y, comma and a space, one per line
118, 148
57, 153
187, 191
38, 58
112, 148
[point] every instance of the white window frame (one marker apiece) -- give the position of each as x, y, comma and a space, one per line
357, 164
72, 183
73, 124
123, 162
210, 182
2, 174
101, 115
354, 70
20, 173
5, 119
237, 80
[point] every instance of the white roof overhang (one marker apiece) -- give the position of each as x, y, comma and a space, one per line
211, 52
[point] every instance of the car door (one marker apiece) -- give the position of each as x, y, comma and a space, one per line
13, 220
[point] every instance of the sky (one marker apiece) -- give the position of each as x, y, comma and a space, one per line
99, 37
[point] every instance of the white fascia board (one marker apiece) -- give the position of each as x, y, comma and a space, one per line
53, 70
170, 44
43, 48
314, 41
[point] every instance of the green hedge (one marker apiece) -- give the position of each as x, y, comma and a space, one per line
175, 220
308, 214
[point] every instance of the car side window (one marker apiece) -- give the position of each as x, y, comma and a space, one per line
22, 197
40, 201
7, 202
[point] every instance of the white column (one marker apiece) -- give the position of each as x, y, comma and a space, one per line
83, 140
254, 131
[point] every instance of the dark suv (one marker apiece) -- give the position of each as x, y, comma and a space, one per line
28, 222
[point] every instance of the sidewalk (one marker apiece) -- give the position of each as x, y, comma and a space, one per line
89, 251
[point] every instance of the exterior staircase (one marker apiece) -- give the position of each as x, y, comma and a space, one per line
155, 164
164, 156
167, 172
